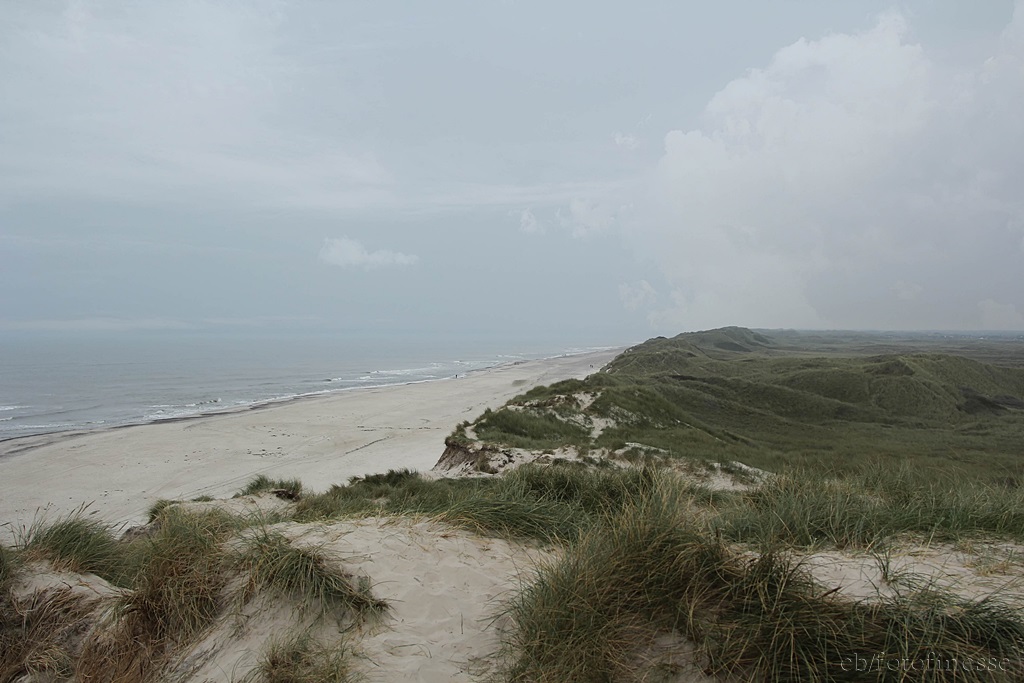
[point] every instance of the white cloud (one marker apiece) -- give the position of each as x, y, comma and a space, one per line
626, 141
907, 291
755, 290
837, 168
637, 295
529, 223
349, 253
587, 216
996, 315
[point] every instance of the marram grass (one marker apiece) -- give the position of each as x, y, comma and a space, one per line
261, 483
649, 569
303, 659
35, 630
176, 591
74, 543
309, 575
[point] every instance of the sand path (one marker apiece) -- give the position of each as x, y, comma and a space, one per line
445, 587
324, 440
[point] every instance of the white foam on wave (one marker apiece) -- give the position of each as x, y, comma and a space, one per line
404, 372
165, 411
6, 408
55, 425
48, 426
167, 415
171, 414
194, 404
328, 392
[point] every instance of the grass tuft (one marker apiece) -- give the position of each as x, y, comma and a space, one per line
302, 659
157, 508
529, 428
808, 508
39, 633
545, 503
10, 563
177, 585
177, 580
75, 544
308, 574
623, 582
391, 478
650, 570
289, 488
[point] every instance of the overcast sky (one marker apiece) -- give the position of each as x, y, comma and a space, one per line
605, 170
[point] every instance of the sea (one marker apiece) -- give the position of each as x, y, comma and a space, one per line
54, 383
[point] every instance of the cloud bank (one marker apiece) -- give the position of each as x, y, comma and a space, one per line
850, 182
171, 103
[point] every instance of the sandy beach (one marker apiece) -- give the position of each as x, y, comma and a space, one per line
325, 440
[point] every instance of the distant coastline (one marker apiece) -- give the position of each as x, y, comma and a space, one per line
121, 470
21, 443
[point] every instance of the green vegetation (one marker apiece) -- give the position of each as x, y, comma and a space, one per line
871, 443
175, 591
807, 509
33, 630
157, 508
8, 568
302, 659
528, 428
788, 403
652, 569
800, 509
308, 575
75, 544
177, 580
261, 483
646, 554
550, 504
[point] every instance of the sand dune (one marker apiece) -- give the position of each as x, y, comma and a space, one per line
444, 586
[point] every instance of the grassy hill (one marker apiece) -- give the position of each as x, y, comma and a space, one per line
738, 394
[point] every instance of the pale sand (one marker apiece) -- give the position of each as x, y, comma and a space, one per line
121, 472
445, 588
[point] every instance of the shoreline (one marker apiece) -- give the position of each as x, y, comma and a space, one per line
8, 447
119, 471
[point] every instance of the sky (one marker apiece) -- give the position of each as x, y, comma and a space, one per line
599, 171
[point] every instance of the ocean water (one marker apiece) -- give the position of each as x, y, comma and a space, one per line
54, 383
